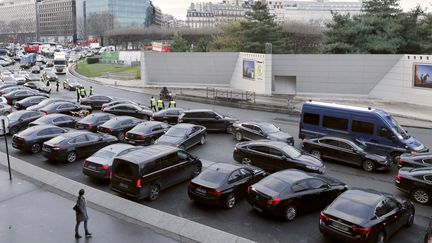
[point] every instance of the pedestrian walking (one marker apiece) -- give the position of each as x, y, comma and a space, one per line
81, 214
57, 85
153, 104
78, 93
91, 91
160, 104
82, 92
172, 103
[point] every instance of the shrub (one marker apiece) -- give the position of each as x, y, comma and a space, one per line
91, 60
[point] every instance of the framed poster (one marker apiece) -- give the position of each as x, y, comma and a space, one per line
423, 75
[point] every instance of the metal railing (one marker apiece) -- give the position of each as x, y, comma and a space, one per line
229, 95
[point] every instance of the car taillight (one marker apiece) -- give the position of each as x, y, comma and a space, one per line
85, 163
274, 201
103, 167
398, 177
401, 162
361, 230
324, 217
57, 149
141, 137
138, 183
89, 126
236, 149
45, 113
302, 142
191, 185
110, 175
214, 192
249, 189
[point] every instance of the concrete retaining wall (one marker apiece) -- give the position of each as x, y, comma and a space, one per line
129, 56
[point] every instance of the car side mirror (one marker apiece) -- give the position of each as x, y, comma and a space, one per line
187, 135
100, 139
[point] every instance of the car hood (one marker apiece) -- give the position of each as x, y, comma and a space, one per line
169, 140
280, 136
228, 118
347, 217
310, 160
265, 190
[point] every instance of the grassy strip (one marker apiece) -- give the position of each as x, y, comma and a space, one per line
97, 69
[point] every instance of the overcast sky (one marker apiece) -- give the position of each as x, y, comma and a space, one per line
178, 7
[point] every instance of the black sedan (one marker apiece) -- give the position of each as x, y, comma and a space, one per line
417, 160
212, 120
18, 95
46, 102
49, 76
346, 151
29, 101
184, 136
118, 102
361, 215
146, 133
35, 69
118, 126
66, 108
31, 77
72, 84
260, 130
95, 101
20, 119
7, 90
288, 193
92, 121
274, 156
223, 184
32, 138
170, 115
60, 120
70, 146
416, 182
39, 86
129, 110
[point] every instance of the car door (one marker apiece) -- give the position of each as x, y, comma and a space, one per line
80, 145
347, 153
94, 143
260, 155
237, 182
305, 197
195, 135
324, 194
329, 148
248, 131
120, 110
388, 215
280, 161
171, 116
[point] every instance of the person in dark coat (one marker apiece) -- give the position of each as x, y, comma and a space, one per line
81, 215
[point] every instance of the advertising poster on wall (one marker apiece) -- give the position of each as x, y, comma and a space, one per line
249, 69
423, 75
259, 70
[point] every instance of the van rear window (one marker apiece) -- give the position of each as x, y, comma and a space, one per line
335, 123
362, 127
124, 169
310, 118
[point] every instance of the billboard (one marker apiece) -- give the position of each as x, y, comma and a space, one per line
249, 69
423, 75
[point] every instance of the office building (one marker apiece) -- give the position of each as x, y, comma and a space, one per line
57, 20
18, 18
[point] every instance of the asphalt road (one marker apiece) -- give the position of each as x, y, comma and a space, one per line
242, 220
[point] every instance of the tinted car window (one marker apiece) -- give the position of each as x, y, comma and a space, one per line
235, 176
344, 145
44, 132
428, 178
427, 161
300, 186
261, 149
275, 152
274, 184
213, 176
92, 138
56, 130
350, 207
79, 139
125, 123
124, 170
315, 183
245, 172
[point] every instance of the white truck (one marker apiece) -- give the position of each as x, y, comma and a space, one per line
60, 63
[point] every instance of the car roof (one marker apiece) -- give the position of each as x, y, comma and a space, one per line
291, 176
100, 114
24, 112
418, 155
41, 127
277, 144
185, 125
77, 133
364, 196
148, 153
149, 123
198, 110
59, 103
122, 118
421, 171
55, 115
223, 167
118, 147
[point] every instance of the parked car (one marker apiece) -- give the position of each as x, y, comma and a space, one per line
20, 119
365, 216
183, 136
29, 101
20, 79
95, 101
346, 151
118, 102
8, 80
415, 160
7, 90
39, 86
49, 64
144, 172
224, 184
32, 138
60, 120
275, 156
208, 118
428, 235
72, 84
70, 146
146, 133
47, 102
5, 109
99, 164
129, 110
260, 130
118, 126
288, 193
417, 182
32, 77
49, 75
170, 115
92, 121
66, 108
35, 69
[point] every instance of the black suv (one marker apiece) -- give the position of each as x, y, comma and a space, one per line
208, 118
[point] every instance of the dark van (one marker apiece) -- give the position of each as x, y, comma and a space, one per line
375, 127
143, 173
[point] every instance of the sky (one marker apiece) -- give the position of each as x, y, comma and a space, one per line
178, 8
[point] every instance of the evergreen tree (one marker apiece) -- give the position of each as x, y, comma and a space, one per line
229, 40
179, 44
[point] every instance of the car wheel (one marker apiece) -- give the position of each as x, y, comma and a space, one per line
290, 212
238, 136
246, 161
196, 171
71, 157
202, 140
36, 148
380, 237
154, 192
421, 196
229, 129
152, 141
6, 113
230, 201
368, 165
121, 136
410, 220
316, 153
13, 130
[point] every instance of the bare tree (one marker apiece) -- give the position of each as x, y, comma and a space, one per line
81, 29
99, 24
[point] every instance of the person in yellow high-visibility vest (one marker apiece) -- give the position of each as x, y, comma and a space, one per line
82, 92
153, 104
172, 103
160, 104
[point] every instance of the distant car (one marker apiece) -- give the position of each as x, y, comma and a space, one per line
49, 76
417, 182
146, 133
29, 101
416, 160
260, 130
275, 156
60, 120
346, 151
9, 80
223, 184
5, 109
20, 79
9, 89
35, 69
20, 94
129, 110
49, 63
288, 193
99, 164
183, 136
118, 126
365, 216
32, 138
66, 108
47, 102
33, 77
95, 101
118, 102
92, 121
72, 84
70, 146
170, 115
20, 119
208, 118
39, 86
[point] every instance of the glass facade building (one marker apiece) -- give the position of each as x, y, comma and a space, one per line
130, 13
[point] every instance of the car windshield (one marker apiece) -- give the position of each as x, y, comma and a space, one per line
176, 132
213, 176
112, 123
89, 119
291, 151
269, 128
273, 184
351, 207
57, 139
14, 116
50, 73
104, 154
400, 132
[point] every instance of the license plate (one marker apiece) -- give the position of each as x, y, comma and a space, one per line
92, 167
339, 226
46, 149
200, 190
123, 185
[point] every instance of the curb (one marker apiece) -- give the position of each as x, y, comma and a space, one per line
178, 228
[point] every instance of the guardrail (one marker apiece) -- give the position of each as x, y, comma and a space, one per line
122, 76
229, 95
